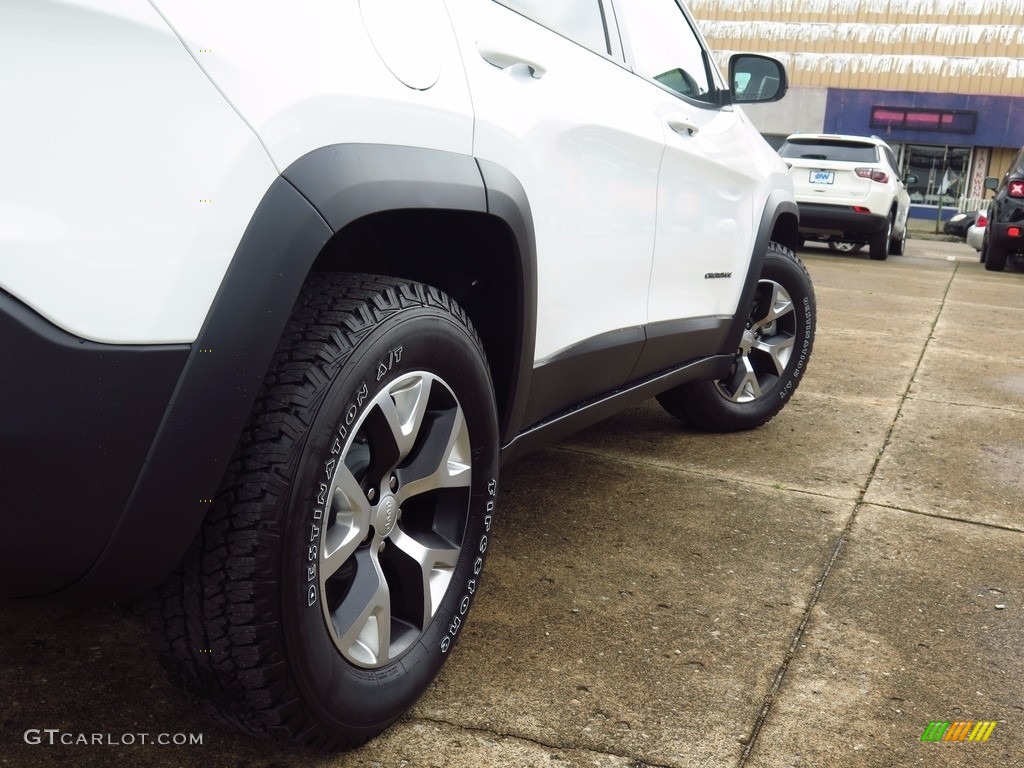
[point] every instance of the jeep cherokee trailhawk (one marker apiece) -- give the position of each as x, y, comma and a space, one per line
283, 284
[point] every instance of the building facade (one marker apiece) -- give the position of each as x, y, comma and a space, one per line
942, 81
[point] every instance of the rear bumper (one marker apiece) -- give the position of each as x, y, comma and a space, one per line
76, 421
841, 221
999, 235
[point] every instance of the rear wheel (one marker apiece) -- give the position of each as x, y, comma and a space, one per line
993, 256
341, 555
878, 246
771, 360
898, 245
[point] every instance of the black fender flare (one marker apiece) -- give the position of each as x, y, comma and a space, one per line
315, 197
779, 204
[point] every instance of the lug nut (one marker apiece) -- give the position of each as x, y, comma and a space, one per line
393, 483
371, 494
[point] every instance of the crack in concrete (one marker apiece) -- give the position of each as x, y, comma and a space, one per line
635, 762
951, 518
982, 406
698, 473
801, 630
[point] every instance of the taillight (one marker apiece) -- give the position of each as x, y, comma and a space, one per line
874, 174
1015, 188
861, 209
1013, 232
982, 220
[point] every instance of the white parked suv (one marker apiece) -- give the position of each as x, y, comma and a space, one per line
284, 284
849, 191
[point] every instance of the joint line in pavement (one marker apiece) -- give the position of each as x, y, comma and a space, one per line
773, 690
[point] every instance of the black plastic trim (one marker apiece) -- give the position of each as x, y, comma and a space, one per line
840, 218
345, 182
672, 342
612, 361
779, 204
77, 419
597, 365
214, 395
507, 200
316, 196
583, 415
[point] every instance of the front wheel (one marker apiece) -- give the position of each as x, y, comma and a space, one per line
844, 246
771, 359
336, 567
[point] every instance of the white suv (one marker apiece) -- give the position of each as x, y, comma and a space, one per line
284, 284
849, 192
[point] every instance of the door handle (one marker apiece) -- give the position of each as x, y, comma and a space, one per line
682, 125
502, 57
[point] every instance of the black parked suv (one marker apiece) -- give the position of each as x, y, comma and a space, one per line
1004, 234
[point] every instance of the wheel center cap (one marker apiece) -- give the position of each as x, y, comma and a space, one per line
386, 515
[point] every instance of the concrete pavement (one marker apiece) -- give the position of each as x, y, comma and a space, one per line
813, 593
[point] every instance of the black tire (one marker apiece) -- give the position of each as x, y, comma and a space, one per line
878, 245
845, 246
334, 571
772, 358
898, 245
992, 255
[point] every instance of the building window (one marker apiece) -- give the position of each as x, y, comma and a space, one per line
942, 173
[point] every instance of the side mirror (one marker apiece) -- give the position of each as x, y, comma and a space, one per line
910, 179
755, 79
991, 183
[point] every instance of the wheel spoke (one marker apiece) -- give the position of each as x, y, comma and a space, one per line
404, 407
349, 522
779, 304
779, 348
742, 387
445, 459
436, 565
363, 619
384, 579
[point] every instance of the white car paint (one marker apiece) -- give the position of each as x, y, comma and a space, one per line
709, 207
976, 234
215, 100
307, 74
130, 261
586, 143
100, 99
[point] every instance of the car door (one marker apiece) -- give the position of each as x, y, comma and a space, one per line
713, 184
555, 106
900, 187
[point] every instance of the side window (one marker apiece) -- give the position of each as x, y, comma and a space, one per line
891, 159
665, 47
582, 21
